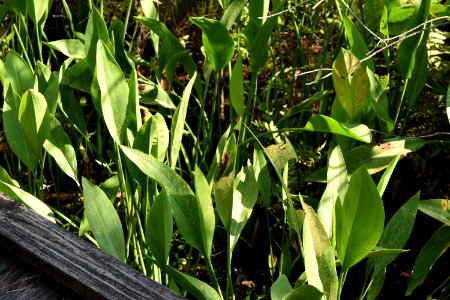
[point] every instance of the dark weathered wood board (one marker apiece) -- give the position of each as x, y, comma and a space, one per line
19, 280
70, 260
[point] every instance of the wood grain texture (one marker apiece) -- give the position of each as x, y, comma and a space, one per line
71, 261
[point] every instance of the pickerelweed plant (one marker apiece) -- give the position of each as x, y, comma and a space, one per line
187, 172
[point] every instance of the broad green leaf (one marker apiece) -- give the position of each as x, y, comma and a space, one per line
37, 9
27, 199
280, 288
114, 93
103, 220
321, 123
159, 229
337, 184
237, 87
351, 84
378, 100
117, 32
78, 76
185, 206
359, 219
408, 50
199, 289
178, 123
375, 157
69, 47
437, 209
207, 217
262, 175
232, 12
416, 82
14, 132
14, 71
217, 42
111, 186
34, 118
280, 154
59, 146
52, 94
150, 11
153, 137
245, 193
395, 235
318, 255
259, 48
433, 249
223, 194
95, 30
42, 75
356, 42
154, 94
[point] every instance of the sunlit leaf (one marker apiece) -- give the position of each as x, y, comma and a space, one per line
95, 30
69, 47
319, 255
103, 220
280, 288
437, 209
15, 72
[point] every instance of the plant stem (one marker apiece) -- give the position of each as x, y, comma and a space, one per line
342, 277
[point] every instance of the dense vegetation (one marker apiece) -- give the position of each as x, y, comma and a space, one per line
237, 148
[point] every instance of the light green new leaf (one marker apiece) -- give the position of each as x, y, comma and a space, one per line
34, 118
14, 71
114, 93
437, 209
207, 217
280, 288
103, 220
217, 41
321, 123
95, 30
69, 47
199, 289
237, 87
337, 183
185, 206
159, 229
37, 9
319, 255
359, 219
351, 84
14, 133
178, 123
27, 199
395, 235
59, 146
433, 249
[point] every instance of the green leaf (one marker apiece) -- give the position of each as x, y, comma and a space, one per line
37, 9
103, 220
359, 219
378, 101
280, 288
351, 84
34, 118
237, 87
448, 103
207, 217
15, 71
337, 184
59, 146
95, 30
262, 175
155, 95
280, 154
437, 209
197, 288
321, 123
217, 41
395, 235
153, 137
356, 42
14, 132
159, 229
433, 249
232, 12
178, 123
382, 184
304, 292
259, 48
185, 206
27, 199
318, 255
375, 157
69, 47
114, 93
